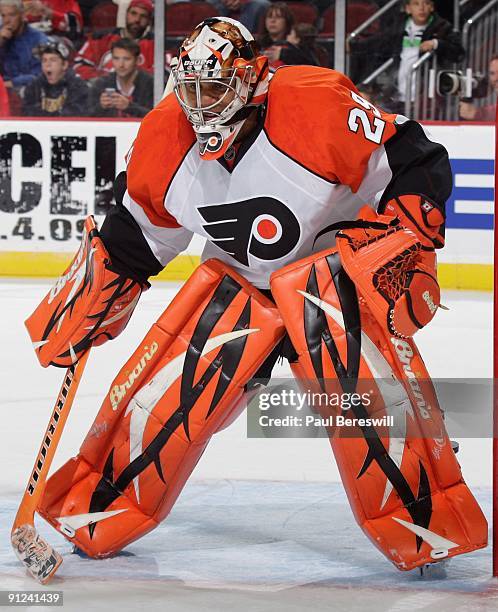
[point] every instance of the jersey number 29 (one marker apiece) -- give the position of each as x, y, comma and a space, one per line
373, 131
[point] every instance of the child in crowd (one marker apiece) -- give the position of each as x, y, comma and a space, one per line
417, 31
57, 92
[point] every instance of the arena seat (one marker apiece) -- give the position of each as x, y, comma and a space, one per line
357, 13
103, 16
182, 17
303, 12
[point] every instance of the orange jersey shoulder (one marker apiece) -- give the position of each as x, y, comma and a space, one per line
164, 138
317, 117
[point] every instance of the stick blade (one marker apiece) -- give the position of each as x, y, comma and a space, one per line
37, 556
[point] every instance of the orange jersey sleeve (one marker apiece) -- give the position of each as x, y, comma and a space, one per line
317, 117
164, 139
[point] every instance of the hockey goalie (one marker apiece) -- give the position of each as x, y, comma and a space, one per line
322, 214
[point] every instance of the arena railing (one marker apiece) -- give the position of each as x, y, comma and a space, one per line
365, 25
420, 95
159, 37
377, 72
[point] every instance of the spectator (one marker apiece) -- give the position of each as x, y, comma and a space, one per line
94, 57
299, 48
471, 112
57, 92
418, 31
278, 23
62, 17
248, 12
126, 92
302, 38
305, 36
17, 41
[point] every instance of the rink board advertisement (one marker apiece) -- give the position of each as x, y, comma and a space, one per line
55, 173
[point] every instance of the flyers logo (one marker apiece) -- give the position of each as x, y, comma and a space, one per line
263, 227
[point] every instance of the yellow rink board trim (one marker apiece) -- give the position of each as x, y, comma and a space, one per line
44, 264
469, 277
477, 277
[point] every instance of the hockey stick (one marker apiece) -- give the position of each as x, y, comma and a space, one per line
39, 558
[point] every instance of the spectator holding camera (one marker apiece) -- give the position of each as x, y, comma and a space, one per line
126, 92
471, 112
17, 41
57, 92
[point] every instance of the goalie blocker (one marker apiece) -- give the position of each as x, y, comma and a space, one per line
88, 305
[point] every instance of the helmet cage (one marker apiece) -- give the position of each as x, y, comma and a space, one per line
188, 89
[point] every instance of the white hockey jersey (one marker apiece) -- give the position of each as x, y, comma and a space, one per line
319, 154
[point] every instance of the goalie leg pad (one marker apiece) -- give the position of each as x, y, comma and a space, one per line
179, 387
403, 481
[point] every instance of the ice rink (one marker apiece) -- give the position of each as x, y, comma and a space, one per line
262, 524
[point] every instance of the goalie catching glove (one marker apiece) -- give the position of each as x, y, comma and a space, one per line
88, 305
392, 262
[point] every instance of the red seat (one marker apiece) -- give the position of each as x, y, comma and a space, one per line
103, 16
303, 13
182, 17
357, 13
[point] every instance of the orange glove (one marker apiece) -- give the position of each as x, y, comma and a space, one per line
421, 215
89, 304
393, 270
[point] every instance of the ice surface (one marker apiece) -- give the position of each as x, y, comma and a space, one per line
263, 524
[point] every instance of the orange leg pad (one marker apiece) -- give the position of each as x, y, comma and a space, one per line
179, 387
401, 476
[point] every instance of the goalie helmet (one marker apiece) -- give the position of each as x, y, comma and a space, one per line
219, 78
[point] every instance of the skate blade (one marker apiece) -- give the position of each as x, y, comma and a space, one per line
435, 571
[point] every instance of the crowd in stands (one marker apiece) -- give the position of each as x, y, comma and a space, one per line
415, 31
95, 57
105, 74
